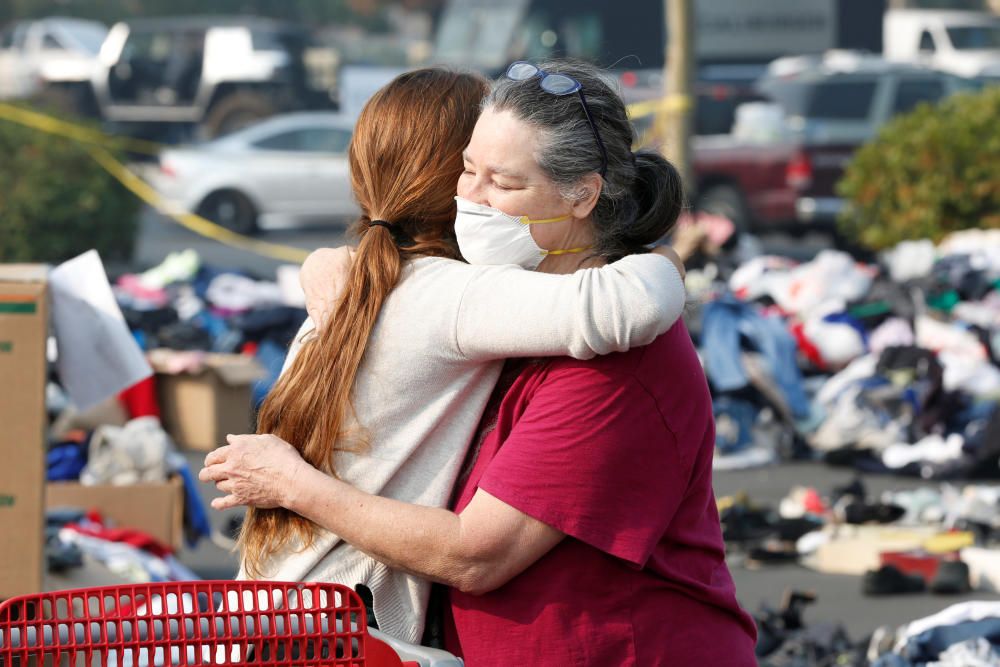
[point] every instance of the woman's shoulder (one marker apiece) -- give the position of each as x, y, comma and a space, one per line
673, 347
668, 371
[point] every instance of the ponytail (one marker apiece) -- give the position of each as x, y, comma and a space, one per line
373, 274
659, 196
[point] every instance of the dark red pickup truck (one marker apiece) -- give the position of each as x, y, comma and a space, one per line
768, 185
829, 113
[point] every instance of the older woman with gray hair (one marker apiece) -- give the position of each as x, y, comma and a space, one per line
584, 529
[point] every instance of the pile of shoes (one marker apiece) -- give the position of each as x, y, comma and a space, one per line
784, 639
942, 541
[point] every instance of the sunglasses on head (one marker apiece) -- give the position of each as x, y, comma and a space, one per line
559, 84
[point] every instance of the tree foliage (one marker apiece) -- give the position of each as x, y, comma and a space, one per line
928, 173
56, 201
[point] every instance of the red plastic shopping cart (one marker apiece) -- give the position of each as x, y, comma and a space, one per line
270, 624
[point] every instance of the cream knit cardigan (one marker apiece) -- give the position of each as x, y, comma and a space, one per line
432, 361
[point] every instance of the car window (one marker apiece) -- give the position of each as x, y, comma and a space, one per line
49, 42
327, 140
147, 46
841, 100
87, 37
266, 40
283, 141
926, 42
716, 109
14, 36
972, 37
307, 140
912, 92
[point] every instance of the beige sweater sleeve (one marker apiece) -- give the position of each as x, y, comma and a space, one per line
506, 311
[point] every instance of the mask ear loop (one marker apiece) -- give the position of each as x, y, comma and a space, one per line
567, 251
525, 220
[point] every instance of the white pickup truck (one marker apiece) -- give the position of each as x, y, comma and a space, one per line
966, 43
51, 52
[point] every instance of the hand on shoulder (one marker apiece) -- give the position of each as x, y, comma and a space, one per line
323, 277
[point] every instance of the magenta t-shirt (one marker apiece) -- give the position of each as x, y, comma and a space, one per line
615, 452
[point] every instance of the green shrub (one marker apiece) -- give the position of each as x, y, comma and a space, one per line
56, 201
928, 173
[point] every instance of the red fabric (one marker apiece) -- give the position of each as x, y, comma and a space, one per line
140, 399
616, 453
806, 347
136, 538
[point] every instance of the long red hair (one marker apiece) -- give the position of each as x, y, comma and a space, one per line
405, 160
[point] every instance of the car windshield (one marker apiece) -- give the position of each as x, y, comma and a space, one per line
826, 100
86, 37
974, 37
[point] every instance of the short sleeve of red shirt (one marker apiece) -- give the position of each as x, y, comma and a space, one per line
592, 457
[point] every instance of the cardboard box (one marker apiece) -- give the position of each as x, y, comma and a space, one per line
155, 508
199, 408
23, 335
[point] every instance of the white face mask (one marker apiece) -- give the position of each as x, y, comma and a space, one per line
489, 236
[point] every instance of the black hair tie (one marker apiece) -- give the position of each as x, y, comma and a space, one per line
381, 223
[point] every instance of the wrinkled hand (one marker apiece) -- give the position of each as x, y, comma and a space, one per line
671, 254
253, 470
323, 277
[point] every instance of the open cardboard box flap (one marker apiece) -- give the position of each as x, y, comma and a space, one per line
23, 273
233, 370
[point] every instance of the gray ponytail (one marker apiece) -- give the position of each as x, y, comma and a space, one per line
641, 195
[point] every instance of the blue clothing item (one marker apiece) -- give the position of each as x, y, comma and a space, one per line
929, 644
65, 461
196, 523
726, 323
853, 322
141, 339
225, 338
272, 357
734, 420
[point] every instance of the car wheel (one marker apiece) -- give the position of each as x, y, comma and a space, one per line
235, 111
230, 209
727, 201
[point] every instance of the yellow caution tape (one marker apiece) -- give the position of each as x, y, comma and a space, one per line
195, 223
51, 125
669, 103
95, 143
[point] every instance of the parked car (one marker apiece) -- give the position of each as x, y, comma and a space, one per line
287, 170
966, 43
832, 105
37, 56
163, 77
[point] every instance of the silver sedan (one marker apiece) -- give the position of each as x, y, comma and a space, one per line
285, 171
